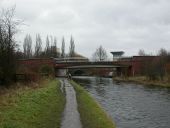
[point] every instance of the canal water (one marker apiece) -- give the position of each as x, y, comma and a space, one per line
130, 105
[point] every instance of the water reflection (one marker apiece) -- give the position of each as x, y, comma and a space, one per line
130, 105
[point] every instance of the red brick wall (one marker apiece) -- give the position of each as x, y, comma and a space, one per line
34, 64
138, 61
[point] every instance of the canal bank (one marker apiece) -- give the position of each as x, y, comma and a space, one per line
142, 80
38, 105
92, 115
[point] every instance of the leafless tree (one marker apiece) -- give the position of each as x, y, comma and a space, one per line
100, 54
47, 48
72, 48
27, 46
55, 52
63, 48
162, 52
141, 52
8, 28
51, 45
38, 46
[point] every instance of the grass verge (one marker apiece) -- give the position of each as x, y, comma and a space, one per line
142, 80
39, 107
92, 115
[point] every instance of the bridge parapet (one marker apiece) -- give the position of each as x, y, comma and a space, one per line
80, 63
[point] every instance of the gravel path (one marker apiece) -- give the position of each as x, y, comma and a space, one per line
71, 117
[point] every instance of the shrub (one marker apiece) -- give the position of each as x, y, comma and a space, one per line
27, 74
46, 70
168, 71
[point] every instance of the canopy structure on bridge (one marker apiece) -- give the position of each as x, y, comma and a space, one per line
117, 54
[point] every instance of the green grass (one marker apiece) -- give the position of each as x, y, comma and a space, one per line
92, 115
39, 107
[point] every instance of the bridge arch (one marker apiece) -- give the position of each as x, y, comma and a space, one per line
78, 72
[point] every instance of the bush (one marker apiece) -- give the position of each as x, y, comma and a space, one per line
168, 71
154, 70
32, 75
27, 74
46, 70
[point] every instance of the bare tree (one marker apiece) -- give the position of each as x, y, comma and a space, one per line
47, 48
72, 47
63, 48
8, 28
38, 46
27, 46
163, 52
55, 52
100, 54
164, 59
51, 46
141, 52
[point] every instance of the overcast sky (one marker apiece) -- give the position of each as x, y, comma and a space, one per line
127, 25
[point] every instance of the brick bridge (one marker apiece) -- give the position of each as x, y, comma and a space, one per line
131, 66
104, 67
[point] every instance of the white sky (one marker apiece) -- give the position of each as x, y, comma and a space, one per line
127, 25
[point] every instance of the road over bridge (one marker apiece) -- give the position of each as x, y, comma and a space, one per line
64, 64
62, 67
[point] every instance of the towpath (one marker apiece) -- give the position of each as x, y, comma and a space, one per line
71, 117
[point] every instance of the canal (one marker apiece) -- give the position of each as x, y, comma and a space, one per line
130, 105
